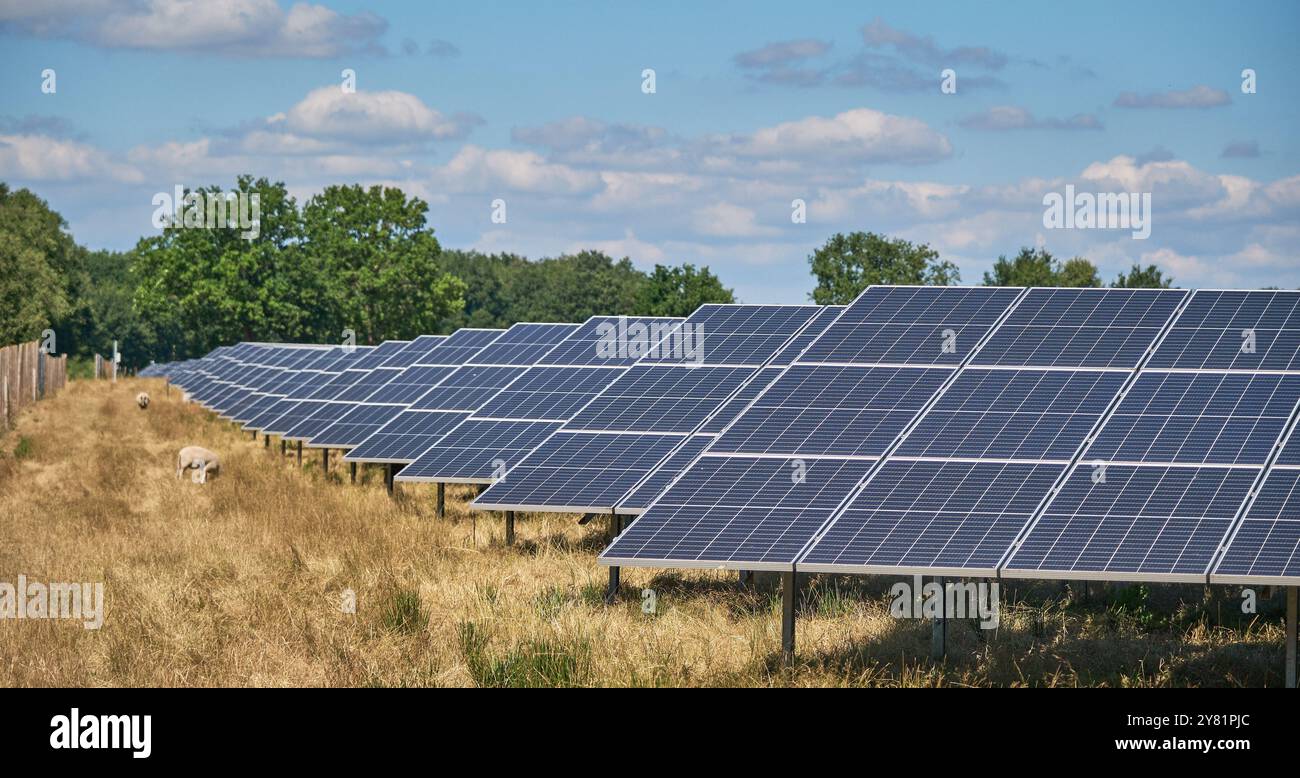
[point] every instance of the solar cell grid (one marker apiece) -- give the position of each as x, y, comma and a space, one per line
736, 334
933, 516
478, 451
523, 344
549, 393
407, 386
912, 325
597, 341
660, 398
354, 426
1235, 330
758, 512
832, 410
1139, 522
1014, 414
316, 421
578, 471
467, 388
662, 475
1211, 418
1081, 327
406, 437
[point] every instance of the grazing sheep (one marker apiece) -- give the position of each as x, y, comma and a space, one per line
201, 460
142, 400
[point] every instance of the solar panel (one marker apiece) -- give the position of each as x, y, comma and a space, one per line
1081, 327
726, 509
548, 393
933, 516
912, 325
1266, 545
844, 402
316, 421
380, 354
675, 388
748, 335
1208, 418
368, 384
661, 398
573, 471
824, 318
459, 347
1139, 522
611, 341
408, 435
479, 450
291, 414
414, 351
524, 344
354, 426
838, 410
467, 388
1235, 330
1014, 414
741, 400
407, 386
663, 474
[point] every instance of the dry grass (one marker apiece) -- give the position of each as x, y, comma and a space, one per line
239, 582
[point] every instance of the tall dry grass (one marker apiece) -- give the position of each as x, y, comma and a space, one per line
240, 582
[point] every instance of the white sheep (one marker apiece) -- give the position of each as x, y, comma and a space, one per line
201, 460
142, 400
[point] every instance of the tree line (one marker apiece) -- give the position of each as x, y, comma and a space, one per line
366, 260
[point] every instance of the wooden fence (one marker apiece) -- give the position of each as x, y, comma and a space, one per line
27, 375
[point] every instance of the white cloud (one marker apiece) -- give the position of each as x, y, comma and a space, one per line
41, 158
861, 134
482, 170
369, 117
243, 28
726, 220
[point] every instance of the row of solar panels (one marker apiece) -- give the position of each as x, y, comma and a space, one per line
1042, 433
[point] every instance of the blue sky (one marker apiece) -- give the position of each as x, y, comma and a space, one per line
756, 104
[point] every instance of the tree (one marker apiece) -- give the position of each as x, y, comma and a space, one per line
36, 258
847, 264
575, 287
678, 291
1037, 267
199, 288
1138, 277
377, 263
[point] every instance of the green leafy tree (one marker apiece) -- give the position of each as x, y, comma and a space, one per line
1037, 267
37, 257
199, 288
1138, 277
678, 291
574, 287
377, 263
847, 264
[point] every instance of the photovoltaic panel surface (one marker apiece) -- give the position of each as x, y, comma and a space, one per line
1138, 523
1081, 327
659, 479
407, 386
912, 325
478, 450
574, 471
832, 410
724, 509
661, 398
934, 516
748, 335
1208, 418
355, 425
405, 437
1266, 545
317, 420
548, 393
523, 344
611, 341
467, 389
1014, 414
1235, 330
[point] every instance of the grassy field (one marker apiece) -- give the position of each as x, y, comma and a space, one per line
239, 582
